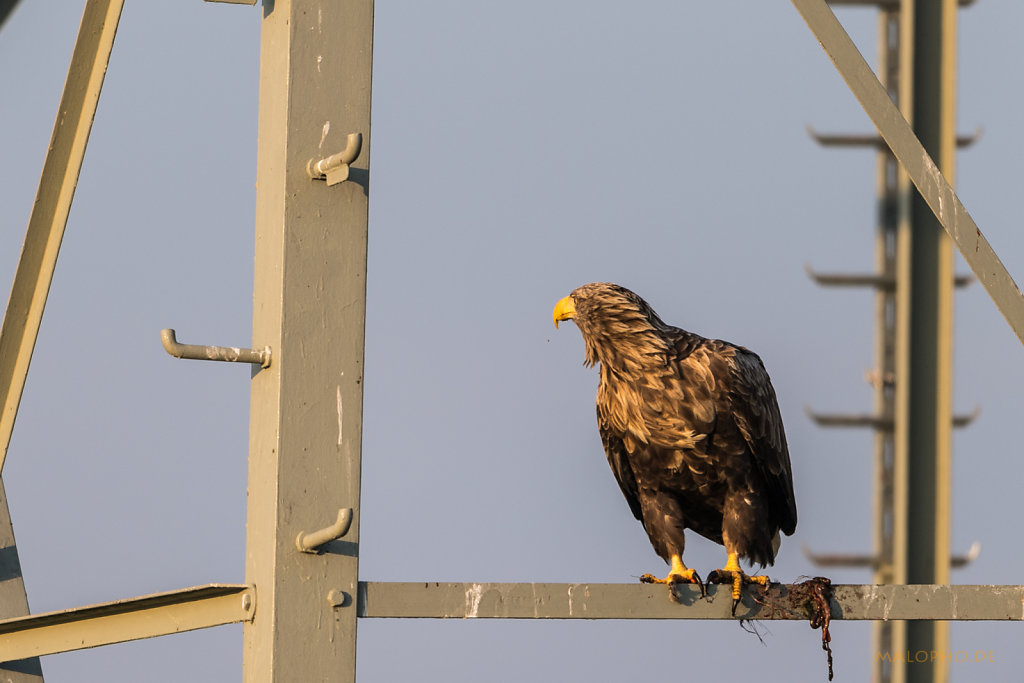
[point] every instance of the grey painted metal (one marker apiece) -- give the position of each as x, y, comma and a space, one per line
308, 304
433, 600
928, 44
38, 260
884, 282
877, 422
868, 140
850, 420
53, 202
891, 184
13, 600
311, 543
916, 161
115, 622
917, 62
875, 561
230, 354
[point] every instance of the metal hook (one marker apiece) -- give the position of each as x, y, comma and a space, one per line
222, 353
308, 543
335, 167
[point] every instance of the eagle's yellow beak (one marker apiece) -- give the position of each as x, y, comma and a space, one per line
564, 310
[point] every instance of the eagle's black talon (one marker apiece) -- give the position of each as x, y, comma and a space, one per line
674, 579
700, 585
724, 578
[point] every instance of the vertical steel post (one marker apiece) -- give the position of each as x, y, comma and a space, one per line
886, 633
309, 306
926, 292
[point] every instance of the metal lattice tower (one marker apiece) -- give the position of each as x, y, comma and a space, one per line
913, 282
302, 598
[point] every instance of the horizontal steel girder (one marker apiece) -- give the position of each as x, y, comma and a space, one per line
430, 600
217, 604
148, 616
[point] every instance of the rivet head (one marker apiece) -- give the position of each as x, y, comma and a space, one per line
246, 602
337, 598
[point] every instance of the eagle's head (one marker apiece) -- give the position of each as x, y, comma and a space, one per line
619, 328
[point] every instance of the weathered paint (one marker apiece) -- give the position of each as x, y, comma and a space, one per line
309, 299
433, 600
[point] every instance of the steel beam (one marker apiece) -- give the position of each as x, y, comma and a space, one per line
920, 167
13, 600
921, 444
876, 422
116, 622
309, 305
37, 262
928, 44
886, 283
432, 600
876, 562
53, 203
868, 140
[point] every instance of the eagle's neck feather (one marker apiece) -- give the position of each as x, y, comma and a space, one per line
627, 354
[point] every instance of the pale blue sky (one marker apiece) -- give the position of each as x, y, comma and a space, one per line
519, 150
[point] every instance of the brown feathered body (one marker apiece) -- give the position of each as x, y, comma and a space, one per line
691, 427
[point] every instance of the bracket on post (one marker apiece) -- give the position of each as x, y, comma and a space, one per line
230, 354
874, 561
878, 422
869, 140
334, 169
886, 283
309, 543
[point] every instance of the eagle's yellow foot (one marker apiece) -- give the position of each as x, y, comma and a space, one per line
732, 574
679, 573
